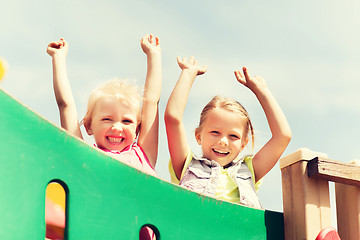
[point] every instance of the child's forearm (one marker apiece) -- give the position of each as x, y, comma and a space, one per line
61, 83
177, 102
148, 136
265, 159
64, 97
152, 89
176, 134
277, 121
177, 140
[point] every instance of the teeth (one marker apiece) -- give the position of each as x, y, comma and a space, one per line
115, 140
219, 151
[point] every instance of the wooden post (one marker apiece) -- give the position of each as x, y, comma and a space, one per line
306, 200
348, 211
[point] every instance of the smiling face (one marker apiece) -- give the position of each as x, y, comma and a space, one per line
221, 135
114, 123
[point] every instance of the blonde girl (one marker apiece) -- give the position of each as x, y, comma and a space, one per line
115, 117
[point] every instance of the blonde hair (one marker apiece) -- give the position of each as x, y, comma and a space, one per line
230, 105
122, 89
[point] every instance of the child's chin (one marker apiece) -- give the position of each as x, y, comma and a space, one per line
222, 161
120, 148
117, 147
221, 157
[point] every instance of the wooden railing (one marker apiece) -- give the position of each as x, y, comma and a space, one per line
306, 201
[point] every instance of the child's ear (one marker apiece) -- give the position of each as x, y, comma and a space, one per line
244, 143
88, 129
138, 129
198, 136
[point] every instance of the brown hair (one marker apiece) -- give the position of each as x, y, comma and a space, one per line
230, 105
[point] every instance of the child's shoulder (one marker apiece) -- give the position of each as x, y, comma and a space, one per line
248, 159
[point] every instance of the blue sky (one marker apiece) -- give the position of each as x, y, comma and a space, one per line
307, 51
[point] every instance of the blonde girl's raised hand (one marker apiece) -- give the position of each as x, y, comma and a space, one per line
58, 48
150, 44
149, 130
191, 65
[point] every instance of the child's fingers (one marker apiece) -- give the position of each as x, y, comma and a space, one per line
240, 77
238, 74
144, 39
178, 59
246, 74
55, 44
150, 39
157, 41
192, 60
202, 70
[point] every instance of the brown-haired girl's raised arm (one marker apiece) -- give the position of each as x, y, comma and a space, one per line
265, 159
176, 135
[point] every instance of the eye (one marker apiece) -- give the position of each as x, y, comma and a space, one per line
106, 119
127, 121
234, 137
215, 133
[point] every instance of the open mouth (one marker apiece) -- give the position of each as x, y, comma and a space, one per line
220, 153
115, 140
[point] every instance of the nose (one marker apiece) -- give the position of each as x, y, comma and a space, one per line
224, 141
117, 127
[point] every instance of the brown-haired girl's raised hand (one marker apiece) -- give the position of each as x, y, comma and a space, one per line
176, 134
252, 82
269, 154
191, 65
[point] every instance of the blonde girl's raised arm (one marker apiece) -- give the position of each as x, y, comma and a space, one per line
63, 94
176, 134
265, 159
149, 129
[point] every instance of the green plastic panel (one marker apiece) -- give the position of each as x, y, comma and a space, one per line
105, 198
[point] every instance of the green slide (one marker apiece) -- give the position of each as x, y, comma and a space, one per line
105, 198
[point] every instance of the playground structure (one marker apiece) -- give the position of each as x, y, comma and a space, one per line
306, 202
106, 199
